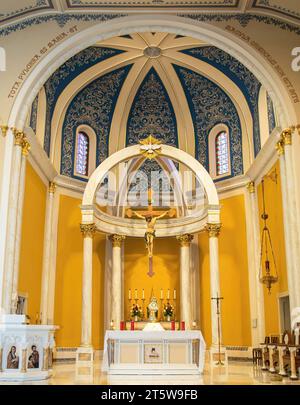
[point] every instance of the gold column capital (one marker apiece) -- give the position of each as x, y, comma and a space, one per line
213, 230
251, 187
4, 129
25, 147
88, 230
52, 187
19, 137
286, 136
185, 239
117, 240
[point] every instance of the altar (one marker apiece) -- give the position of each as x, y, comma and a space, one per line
153, 352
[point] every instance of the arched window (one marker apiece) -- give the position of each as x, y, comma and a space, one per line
222, 153
82, 154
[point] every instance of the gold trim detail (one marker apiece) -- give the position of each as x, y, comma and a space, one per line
213, 230
280, 147
52, 187
251, 187
117, 240
150, 147
25, 147
4, 129
185, 240
286, 136
88, 230
19, 137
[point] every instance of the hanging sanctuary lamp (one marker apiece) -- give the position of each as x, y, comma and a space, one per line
265, 275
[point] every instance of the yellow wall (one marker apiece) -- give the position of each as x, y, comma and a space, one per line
233, 276
31, 259
69, 277
273, 200
165, 266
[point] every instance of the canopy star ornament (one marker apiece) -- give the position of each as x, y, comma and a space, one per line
150, 147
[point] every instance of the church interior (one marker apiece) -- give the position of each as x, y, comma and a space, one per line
150, 197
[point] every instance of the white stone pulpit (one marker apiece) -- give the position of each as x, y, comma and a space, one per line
25, 350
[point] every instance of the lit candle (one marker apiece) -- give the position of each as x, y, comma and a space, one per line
143, 294
168, 296
135, 294
129, 294
174, 294
161, 294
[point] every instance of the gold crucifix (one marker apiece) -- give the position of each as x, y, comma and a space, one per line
151, 217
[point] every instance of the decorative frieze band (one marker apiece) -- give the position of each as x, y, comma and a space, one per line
117, 240
213, 230
88, 230
185, 240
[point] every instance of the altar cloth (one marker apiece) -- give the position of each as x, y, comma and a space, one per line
153, 352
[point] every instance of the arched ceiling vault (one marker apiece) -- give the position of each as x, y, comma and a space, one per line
146, 51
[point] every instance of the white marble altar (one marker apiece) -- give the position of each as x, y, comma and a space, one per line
153, 352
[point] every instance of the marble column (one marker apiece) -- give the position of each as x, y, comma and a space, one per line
213, 232
271, 359
256, 288
185, 290
293, 215
116, 290
47, 254
25, 151
19, 138
287, 213
88, 231
281, 362
293, 375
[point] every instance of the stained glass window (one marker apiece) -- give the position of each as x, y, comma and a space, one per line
222, 153
82, 157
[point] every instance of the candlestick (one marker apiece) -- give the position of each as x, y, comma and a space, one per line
174, 294
168, 295
161, 294
135, 294
143, 294
129, 294
161, 309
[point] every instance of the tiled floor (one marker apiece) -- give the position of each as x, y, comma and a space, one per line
235, 373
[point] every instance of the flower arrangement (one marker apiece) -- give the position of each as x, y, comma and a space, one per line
136, 311
168, 310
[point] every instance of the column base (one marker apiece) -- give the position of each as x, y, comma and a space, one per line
216, 358
85, 356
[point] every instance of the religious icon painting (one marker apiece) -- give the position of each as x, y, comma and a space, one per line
13, 358
33, 358
153, 353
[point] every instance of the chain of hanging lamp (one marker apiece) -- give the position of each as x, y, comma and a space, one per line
265, 275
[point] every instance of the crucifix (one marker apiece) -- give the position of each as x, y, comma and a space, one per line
150, 216
217, 298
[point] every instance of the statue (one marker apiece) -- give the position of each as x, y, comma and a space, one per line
153, 309
151, 217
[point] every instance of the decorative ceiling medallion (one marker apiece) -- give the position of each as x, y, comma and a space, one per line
150, 147
152, 52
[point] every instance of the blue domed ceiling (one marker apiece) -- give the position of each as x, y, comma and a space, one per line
176, 88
